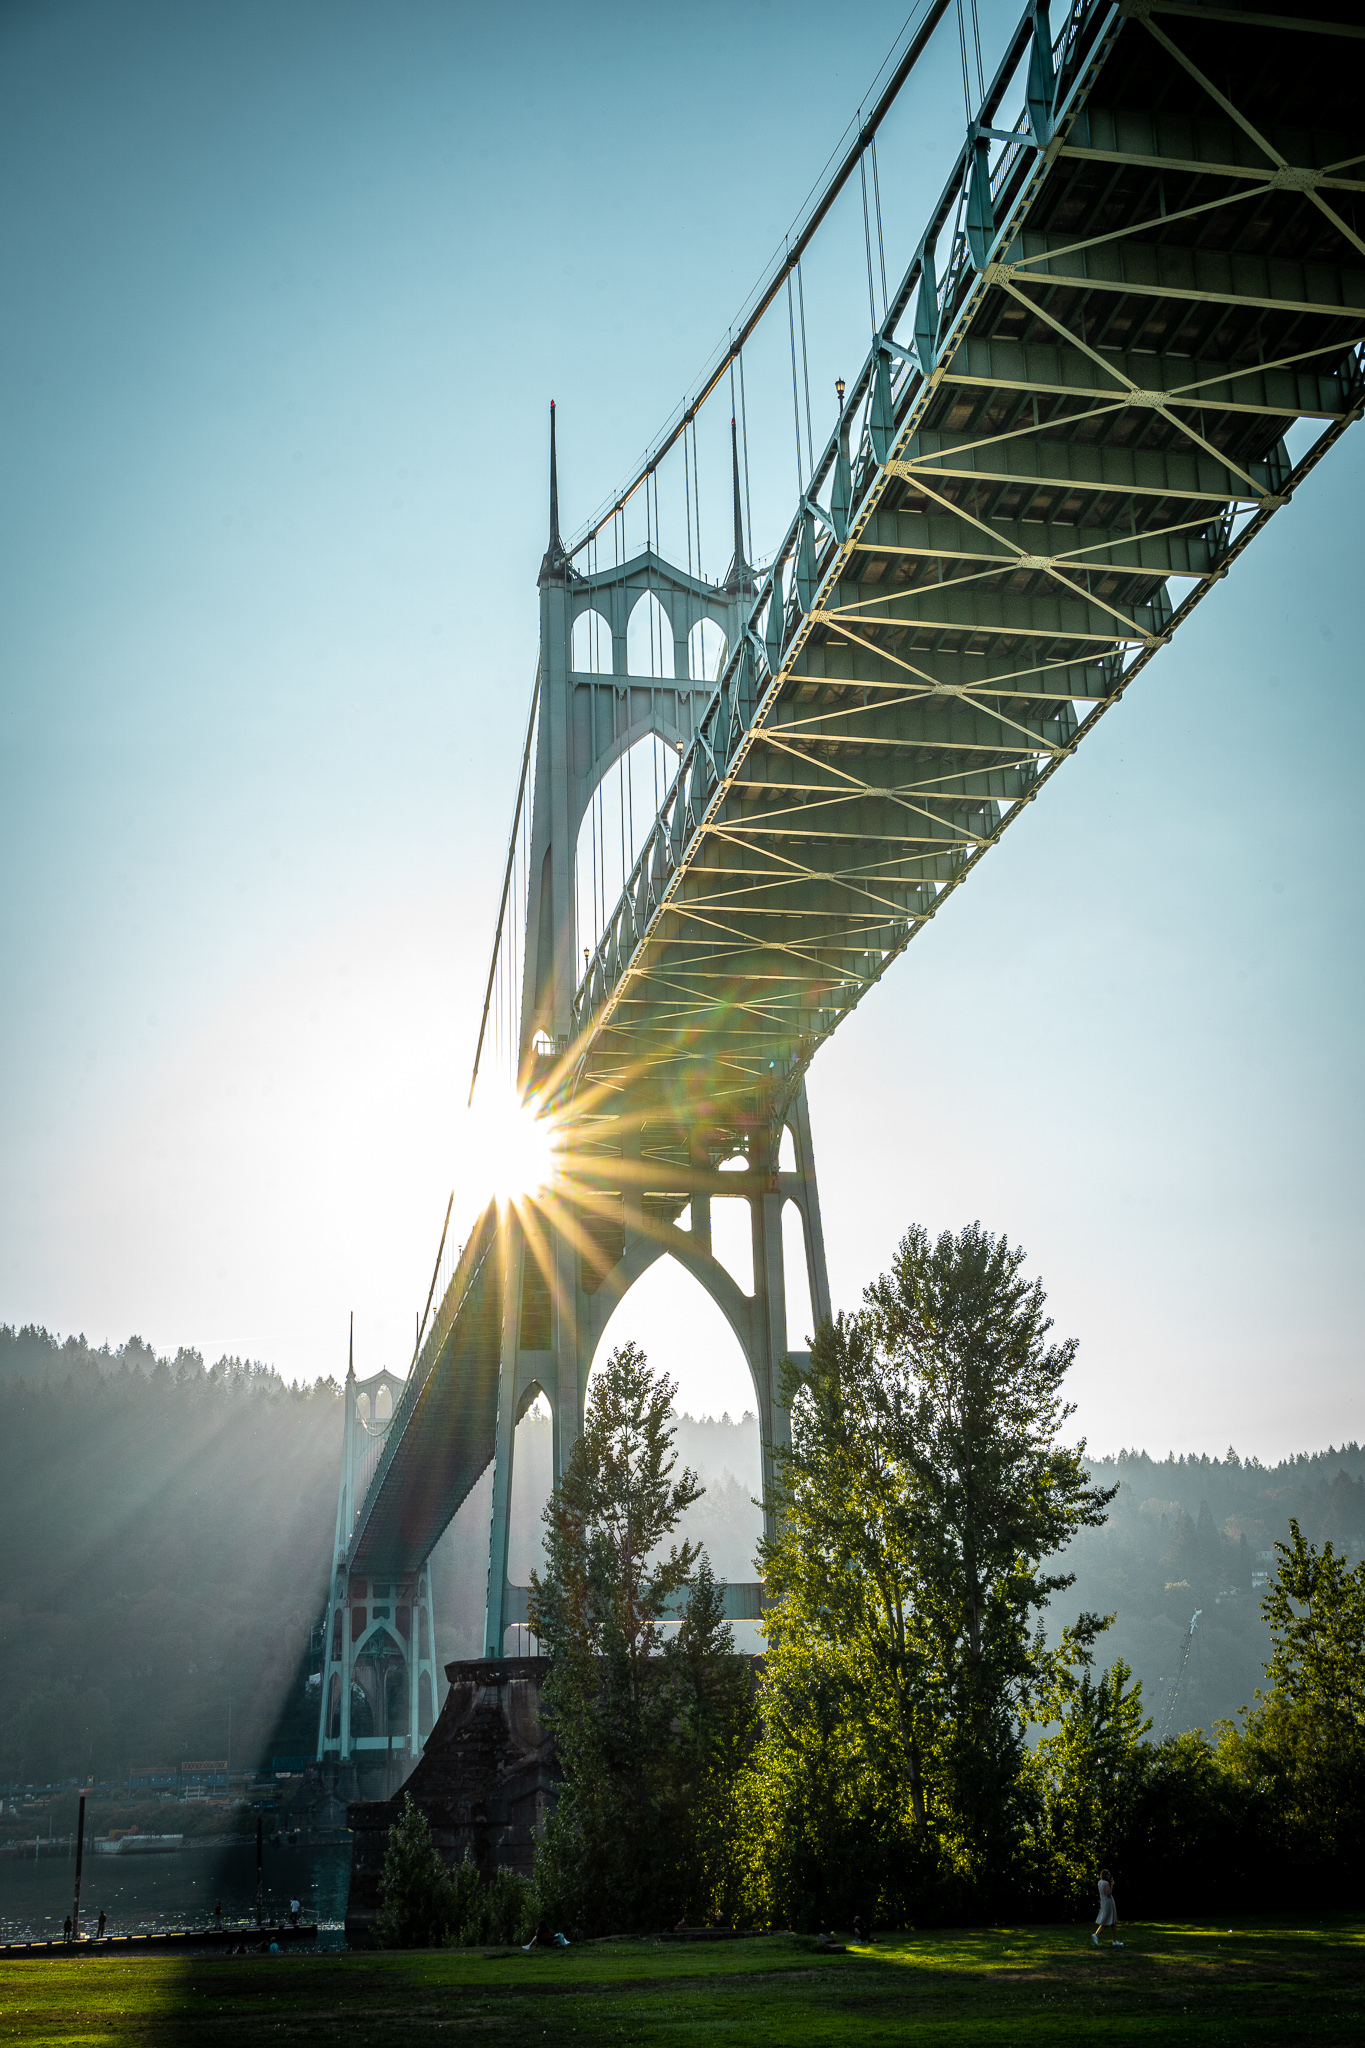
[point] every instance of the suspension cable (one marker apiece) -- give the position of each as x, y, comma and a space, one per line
877, 196
931, 12
805, 367
687, 502
502, 903
796, 408
867, 241
744, 438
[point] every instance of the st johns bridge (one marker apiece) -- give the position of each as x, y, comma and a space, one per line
1129, 326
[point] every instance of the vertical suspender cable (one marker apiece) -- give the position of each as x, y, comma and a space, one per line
687, 508
657, 695
867, 241
976, 37
744, 439
621, 801
687, 502
881, 245
696, 495
796, 407
805, 367
962, 48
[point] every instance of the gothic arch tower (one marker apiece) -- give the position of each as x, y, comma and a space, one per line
379, 1677
643, 1164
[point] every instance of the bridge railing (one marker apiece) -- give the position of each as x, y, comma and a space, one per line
878, 407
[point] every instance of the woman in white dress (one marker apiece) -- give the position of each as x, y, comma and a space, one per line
1108, 1915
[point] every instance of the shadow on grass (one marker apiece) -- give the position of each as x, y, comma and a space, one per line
1266, 1982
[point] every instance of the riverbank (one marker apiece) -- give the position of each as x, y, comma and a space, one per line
172, 1890
212, 1940
1265, 1982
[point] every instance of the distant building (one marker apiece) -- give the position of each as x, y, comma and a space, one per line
153, 1778
205, 1778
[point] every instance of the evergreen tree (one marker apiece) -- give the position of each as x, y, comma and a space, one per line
1302, 1745
418, 1906
648, 1735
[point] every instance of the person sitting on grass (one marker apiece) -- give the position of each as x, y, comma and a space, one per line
1108, 1915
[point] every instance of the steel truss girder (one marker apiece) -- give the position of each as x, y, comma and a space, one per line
993, 612
1291, 389
1066, 466
1003, 577
838, 680
928, 534
1247, 283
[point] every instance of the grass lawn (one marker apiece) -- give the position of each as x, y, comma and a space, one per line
1267, 1982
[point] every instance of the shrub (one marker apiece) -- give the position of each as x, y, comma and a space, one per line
418, 1899
495, 1915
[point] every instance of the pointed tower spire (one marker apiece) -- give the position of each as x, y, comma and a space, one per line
738, 577
556, 561
350, 1356
554, 483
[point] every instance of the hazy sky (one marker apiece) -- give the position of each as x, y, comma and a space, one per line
288, 290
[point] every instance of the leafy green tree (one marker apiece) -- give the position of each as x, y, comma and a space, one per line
922, 1490
647, 1733
492, 1915
418, 1902
1302, 1745
1088, 1770
1316, 1611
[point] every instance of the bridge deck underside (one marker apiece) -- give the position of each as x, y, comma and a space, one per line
1102, 434
1093, 434
442, 1435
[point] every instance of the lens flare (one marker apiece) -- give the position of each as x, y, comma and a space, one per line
506, 1149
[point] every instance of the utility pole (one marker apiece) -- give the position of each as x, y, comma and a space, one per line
80, 1852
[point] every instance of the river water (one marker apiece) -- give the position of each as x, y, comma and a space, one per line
153, 1894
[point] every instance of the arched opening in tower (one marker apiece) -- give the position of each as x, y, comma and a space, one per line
615, 826
683, 1333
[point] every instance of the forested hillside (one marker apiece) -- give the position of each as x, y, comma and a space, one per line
1196, 1534
167, 1530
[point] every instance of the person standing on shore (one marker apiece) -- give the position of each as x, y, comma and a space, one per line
1108, 1915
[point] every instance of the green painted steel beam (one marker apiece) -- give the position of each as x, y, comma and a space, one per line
1072, 436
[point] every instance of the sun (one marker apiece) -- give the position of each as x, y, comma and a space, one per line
507, 1149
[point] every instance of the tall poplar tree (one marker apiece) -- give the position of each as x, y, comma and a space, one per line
924, 1486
